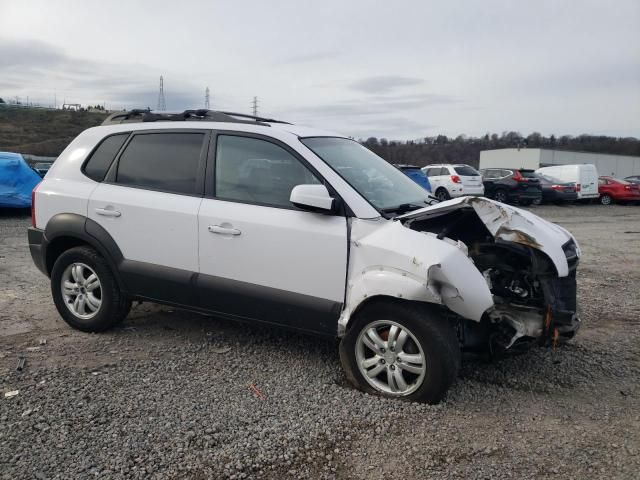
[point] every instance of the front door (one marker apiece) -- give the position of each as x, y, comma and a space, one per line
260, 257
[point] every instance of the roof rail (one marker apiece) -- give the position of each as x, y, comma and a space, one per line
146, 115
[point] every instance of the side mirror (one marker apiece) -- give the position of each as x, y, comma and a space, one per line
314, 198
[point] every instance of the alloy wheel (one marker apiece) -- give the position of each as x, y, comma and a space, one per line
390, 358
81, 290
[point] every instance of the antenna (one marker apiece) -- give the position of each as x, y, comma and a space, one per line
255, 106
161, 103
206, 99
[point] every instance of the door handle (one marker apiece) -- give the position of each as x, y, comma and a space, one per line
223, 230
107, 212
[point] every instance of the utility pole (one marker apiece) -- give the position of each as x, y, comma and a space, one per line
206, 99
255, 106
161, 103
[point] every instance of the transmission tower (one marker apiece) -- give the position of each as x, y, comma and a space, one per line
162, 106
254, 105
206, 99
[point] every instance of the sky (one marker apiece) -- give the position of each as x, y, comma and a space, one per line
399, 70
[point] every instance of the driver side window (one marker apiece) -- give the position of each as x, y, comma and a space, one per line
256, 171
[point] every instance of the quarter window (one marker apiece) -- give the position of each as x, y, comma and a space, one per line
162, 161
257, 171
97, 166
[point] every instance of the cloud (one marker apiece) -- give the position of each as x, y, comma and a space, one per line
30, 65
384, 84
311, 57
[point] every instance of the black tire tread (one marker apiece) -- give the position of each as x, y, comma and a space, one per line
441, 346
115, 306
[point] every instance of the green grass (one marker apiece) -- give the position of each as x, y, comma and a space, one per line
42, 132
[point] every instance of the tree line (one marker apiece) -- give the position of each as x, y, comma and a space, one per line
464, 149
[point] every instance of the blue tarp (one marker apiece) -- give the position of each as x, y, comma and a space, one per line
17, 180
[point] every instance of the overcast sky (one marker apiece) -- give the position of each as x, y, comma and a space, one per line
400, 70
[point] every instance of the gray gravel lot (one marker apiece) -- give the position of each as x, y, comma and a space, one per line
166, 395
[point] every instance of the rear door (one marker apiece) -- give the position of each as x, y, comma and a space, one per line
148, 203
588, 181
260, 257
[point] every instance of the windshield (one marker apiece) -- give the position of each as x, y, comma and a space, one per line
382, 184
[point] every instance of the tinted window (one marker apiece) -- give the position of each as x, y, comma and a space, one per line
466, 171
490, 174
256, 171
162, 161
432, 172
505, 173
444, 171
97, 166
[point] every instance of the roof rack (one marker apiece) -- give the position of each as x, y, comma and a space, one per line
146, 115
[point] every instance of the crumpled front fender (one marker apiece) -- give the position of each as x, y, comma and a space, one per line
394, 261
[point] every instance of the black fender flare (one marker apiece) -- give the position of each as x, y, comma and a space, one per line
72, 225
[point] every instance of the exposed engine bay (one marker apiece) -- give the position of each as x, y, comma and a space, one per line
532, 301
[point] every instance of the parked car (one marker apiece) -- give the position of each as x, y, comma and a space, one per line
512, 185
614, 190
416, 174
556, 191
585, 177
451, 181
635, 179
42, 168
317, 233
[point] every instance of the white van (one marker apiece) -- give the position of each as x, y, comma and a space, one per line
585, 176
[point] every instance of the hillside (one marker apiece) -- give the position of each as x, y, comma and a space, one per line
42, 132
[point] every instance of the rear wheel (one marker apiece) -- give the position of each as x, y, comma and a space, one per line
86, 292
442, 194
401, 350
500, 196
606, 199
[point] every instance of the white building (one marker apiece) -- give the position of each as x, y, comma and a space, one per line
618, 166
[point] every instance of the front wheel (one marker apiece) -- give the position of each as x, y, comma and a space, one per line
606, 199
86, 292
401, 350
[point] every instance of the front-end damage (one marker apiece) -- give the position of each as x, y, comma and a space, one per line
506, 276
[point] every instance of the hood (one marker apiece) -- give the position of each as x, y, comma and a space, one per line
509, 224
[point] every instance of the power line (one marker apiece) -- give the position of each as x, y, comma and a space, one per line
206, 99
255, 106
162, 106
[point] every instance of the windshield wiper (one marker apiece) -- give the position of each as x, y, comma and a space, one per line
402, 208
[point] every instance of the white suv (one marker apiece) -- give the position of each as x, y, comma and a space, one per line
259, 220
450, 181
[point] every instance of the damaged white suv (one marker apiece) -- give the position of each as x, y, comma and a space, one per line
259, 220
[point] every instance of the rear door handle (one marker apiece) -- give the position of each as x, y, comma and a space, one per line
223, 230
107, 212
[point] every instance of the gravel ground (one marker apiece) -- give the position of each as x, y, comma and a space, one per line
167, 395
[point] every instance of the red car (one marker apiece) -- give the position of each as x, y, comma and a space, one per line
614, 190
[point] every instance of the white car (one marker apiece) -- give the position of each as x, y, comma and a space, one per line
584, 176
451, 181
259, 220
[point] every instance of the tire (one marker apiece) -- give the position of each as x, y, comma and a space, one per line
605, 199
74, 291
427, 336
500, 195
442, 194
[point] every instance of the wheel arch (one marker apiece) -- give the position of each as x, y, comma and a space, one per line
69, 230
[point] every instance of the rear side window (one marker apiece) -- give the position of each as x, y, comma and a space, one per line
97, 166
466, 171
434, 171
162, 161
